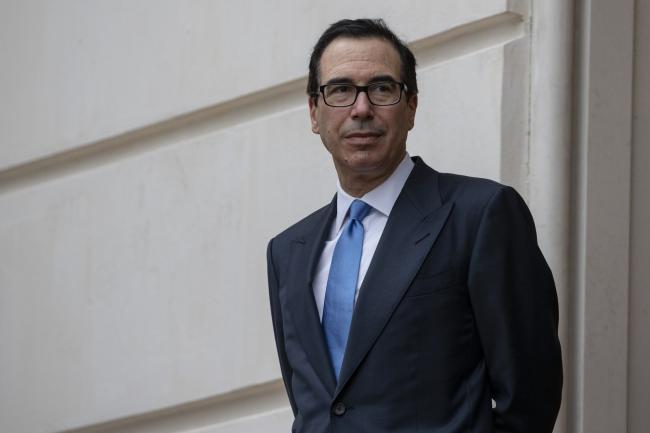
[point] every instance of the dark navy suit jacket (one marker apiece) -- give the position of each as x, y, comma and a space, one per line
458, 308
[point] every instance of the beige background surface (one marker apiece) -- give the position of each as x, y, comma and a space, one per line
149, 150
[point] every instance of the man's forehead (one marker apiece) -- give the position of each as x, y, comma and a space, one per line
347, 55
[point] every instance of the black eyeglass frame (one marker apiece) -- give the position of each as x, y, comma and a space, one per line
359, 89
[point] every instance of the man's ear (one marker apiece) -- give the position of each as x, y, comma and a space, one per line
412, 103
313, 109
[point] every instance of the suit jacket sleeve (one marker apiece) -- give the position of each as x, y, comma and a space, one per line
276, 315
515, 305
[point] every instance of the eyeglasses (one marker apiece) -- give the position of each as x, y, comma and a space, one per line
379, 93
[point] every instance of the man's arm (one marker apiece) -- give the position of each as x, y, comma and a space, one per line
276, 315
515, 304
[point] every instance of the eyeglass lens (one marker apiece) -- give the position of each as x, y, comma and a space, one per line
383, 93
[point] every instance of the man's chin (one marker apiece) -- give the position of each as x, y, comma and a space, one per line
365, 166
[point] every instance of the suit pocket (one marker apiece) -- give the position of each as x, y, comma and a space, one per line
427, 285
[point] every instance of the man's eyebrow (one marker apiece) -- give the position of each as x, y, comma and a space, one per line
346, 80
338, 80
381, 78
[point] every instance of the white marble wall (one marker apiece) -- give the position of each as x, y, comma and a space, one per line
148, 151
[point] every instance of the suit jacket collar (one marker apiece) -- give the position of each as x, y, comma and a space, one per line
412, 228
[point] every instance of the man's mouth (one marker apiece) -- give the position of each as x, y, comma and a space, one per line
362, 134
362, 137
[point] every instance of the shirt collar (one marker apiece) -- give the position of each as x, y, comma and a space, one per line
382, 198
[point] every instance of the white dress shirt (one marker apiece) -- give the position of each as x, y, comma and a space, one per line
382, 199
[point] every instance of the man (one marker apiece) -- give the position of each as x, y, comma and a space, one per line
416, 301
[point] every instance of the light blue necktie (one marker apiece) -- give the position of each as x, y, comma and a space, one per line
342, 284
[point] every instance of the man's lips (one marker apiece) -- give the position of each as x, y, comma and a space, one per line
362, 135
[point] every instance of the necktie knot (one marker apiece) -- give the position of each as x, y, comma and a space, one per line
359, 210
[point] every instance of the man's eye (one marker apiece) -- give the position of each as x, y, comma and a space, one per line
383, 87
340, 89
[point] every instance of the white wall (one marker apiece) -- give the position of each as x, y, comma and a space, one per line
148, 151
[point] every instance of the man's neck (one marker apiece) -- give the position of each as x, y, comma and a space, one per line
358, 185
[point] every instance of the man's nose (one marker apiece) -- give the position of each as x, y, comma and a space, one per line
362, 108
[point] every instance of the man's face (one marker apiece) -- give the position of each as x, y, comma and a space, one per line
366, 141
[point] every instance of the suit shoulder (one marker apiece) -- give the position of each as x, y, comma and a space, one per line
466, 191
473, 191
478, 197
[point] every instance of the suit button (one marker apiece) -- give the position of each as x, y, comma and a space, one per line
339, 409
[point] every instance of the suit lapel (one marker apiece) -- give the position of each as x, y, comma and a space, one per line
412, 228
305, 253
